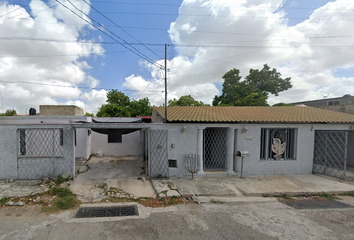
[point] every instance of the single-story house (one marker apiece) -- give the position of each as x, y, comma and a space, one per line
279, 140
34, 147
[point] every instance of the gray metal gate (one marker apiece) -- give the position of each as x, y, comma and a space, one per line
158, 154
330, 153
44, 152
215, 148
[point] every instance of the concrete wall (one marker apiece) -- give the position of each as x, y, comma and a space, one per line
31, 167
130, 144
8, 152
186, 143
60, 110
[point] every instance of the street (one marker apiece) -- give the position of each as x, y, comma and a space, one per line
250, 220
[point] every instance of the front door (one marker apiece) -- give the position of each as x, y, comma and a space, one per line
215, 148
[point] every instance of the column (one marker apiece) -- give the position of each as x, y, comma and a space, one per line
230, 143
200, 152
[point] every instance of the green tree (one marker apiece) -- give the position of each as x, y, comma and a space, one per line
89, 114
142, 107
281, 104
254, 90
119, 105
9, 112
186, 100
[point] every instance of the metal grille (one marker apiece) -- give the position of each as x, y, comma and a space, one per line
117, 211
317, 204
41, 143
158, 155
215, 148
330, 153
287, 136
45, 152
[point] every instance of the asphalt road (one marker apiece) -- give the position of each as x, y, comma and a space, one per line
262, 220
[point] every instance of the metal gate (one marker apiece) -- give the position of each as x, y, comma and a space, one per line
44, 152
215, 148
157, 154
330, 153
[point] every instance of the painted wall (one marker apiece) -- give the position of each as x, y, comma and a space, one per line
8, 152
130, 144
186, 143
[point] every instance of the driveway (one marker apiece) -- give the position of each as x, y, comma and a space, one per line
121, 173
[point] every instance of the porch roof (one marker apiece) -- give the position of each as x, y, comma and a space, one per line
291, 114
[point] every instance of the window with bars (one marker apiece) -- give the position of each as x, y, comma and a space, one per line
114, 138
278, 144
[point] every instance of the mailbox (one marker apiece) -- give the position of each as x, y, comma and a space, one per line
242, 154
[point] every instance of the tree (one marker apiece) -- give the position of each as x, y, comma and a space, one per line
142, 107
119, 105
254, 90
9, 112
89, 114
186, 100
281, 104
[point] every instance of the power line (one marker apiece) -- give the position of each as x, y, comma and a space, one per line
138, 54
121, 28
57, 85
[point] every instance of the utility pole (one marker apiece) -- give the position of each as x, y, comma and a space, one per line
165, 83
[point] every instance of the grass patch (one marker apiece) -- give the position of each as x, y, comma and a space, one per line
348, 194
61, 192
4, 200
327, 196
267, 195
62, 203
285, 196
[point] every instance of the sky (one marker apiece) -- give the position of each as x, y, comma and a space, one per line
72, 52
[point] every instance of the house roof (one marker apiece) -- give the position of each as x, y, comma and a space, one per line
291, 114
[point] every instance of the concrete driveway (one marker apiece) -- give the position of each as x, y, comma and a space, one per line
121, 173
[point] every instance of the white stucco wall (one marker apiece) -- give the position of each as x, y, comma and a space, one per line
130, 144
186, 143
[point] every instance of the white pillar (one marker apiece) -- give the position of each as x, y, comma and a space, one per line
230, 143
200, 152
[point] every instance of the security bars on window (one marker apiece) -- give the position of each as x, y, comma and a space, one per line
278, 144
41, 143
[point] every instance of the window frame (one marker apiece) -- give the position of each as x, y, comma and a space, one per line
266, 140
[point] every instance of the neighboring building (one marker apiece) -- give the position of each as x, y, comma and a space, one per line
60, 110
339, 104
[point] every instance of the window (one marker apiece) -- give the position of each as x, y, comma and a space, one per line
330, 103
278, 144
23, 142
114, 138
61, 137
336, 103
172, 163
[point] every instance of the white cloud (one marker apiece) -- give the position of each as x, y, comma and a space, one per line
307, 52
45, 63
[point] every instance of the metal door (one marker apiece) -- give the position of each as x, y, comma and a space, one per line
330, 153
215, 148
158, 154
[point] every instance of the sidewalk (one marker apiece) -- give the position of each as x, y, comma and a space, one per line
252, 186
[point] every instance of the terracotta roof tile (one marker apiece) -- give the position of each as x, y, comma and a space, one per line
292, 114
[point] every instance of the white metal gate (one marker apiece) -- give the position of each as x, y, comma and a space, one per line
215, 148
157, 153
330, 153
